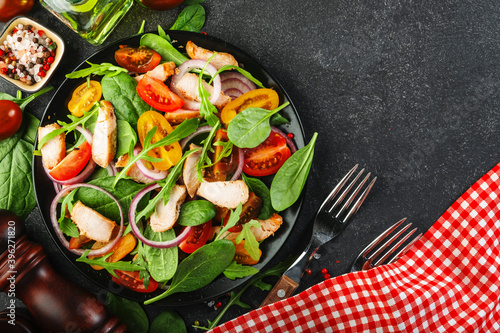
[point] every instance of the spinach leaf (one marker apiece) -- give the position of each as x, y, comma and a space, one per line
251, 127
237, 271
121, 91
277, 120
196, 212
126, 137
161, 45
191, 18
291, 177
204, 152
129, 312
193, 2
140, 261
200, 268
105, 69
251, 244
260, 189
162, 263
109, 266
168, 321
124, 192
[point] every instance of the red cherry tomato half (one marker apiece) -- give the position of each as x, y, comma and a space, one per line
157, 95
11, 117
266, 158
197, 238
132, 281
137, 59
73, 163
250, 210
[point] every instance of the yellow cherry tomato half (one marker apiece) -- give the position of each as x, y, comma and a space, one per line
170, 154
259, 98
84, 97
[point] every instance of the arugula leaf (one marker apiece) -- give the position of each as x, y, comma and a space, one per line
251, 127
129, 312
251, 244
260, 189
191, 18
139, 260
237, 271
105, 69
109, 266
204, 152
67, 226
22, 102
234, 217
227, 149
196, 212
141, 29
207, 109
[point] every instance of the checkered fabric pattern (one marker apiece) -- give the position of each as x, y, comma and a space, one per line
448, 282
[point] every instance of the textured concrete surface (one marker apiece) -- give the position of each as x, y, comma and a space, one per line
408, 89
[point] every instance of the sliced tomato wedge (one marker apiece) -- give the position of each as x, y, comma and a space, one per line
197, 238
137, 59
84, 97
260, 98
73, 163
158, 95
266, 158
250, 210
132, 281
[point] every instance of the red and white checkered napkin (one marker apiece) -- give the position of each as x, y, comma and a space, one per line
448, 282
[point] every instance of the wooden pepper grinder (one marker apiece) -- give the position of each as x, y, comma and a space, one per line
56, 304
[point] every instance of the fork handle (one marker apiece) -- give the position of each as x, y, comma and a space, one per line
284, 288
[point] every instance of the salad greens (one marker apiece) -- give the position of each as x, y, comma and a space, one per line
191, 18
109, 266
162, 263
196, 212
129, 312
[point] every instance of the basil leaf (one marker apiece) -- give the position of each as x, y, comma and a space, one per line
126, 137
291, 177
251, 127
196, 212
260, 189
129, 312
237, 271
251, 244
200, 268
162, 263
191, 18
168, 321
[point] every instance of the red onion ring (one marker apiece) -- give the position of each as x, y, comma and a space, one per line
111, 169
234, 83
289, 141
137, 233
237, 75
86, 133
188, 66
233, 93
59, 233
241, 162
154, 174
200, 130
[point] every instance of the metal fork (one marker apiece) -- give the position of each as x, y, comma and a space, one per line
330, 220
375, 255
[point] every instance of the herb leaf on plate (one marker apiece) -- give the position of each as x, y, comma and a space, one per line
196, 212
237, 271
129, 312
260, 189
109, 266
191, 18
168, 321
162, 263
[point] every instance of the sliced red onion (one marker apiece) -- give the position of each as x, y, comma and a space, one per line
200, 130
153, 174
233, 93
241, 162
234, 84
59, 233
137, 233
185, 68
57, 187
237, 75
289, 141
111, 169
86, 133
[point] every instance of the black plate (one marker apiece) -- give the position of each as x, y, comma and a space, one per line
57, 110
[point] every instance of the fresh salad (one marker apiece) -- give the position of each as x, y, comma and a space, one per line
159, 169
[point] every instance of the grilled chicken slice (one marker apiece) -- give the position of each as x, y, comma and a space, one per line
267, 228
189, 174
188, 86
225, 193
104, 142
161, 72
166, 214
91, 223
178, 116
54, 150
220, 59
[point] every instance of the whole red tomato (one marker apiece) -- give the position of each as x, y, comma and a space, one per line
12, 8
11, 117
159, 4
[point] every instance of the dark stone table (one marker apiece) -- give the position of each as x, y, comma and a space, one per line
408, 89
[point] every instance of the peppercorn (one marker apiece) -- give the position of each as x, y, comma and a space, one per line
35, 40
19, 38
39, 60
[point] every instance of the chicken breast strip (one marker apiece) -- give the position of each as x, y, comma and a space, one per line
188, 86
54, 150
104, 142
219, 60
91, 223
189, 174
166, 215
225, 193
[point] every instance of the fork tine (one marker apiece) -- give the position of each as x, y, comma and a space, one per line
361, 199
403, 251
337, 188
395, 246
381, 237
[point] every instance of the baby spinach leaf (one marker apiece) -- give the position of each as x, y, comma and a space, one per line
129, 312
277, 120
200, 268
191, 18
162, 263
260, 189
109, 266
168, 321
237, 271
121, 91
126, 137
196, 212
251, 127
161, 45
291, 177
251, 244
